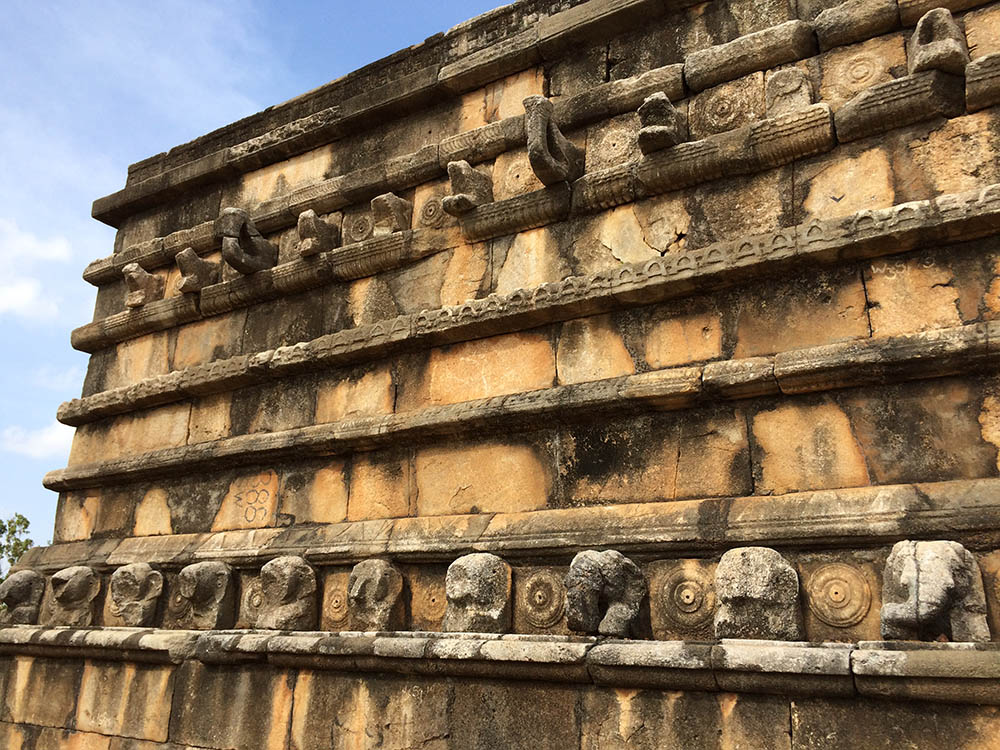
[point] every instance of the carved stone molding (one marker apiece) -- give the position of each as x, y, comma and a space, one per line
541, 598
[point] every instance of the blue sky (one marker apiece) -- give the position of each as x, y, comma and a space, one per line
87, 89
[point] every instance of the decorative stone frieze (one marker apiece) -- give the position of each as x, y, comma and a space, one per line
478, 588
933, 590
604, 591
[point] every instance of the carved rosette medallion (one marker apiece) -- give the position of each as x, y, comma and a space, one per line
687, 597
335, 607
253, 600
432, 213
543, 599
839, 595
359, 228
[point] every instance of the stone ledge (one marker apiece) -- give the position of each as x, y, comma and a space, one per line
867, 234
961, 673
892, 359
860, 516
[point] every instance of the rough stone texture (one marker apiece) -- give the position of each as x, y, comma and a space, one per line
758, 596
604, 591
135, 594
202, 597
375, 596
933, 590
854, 21
74, 594
21, 594
478, 588
937, 44
288, 595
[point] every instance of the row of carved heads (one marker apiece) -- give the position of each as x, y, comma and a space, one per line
931, 591
936, 44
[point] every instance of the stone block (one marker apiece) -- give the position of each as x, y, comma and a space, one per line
982, 82
727, 106
210, 418
591, 349
532, 258
428, 600
203, 341
43, 692
937, 44
855, 21
675, 339
125, 699
840, 724
380, 486
152, 514
630, 719
847, 71
982, 31
344, 396
483, 477
76, 516
276, 180
682, 599
137, 359
259, 701
792, 40
892, 286
539, 600
841, 598
479, 369
957, 156
828, 187
334, 611
827, 307
316, 494
806, 446
250, 502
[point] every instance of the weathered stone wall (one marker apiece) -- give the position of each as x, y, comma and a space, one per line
679, 280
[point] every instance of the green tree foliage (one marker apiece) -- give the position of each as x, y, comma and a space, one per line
13, 538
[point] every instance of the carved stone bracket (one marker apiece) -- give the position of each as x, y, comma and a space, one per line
135, 594
469, 188
74, 592
788, 90
553, 157
937, 44
604, 591
316, 235
196, 273
243, 246
142, 286
478, 588
374, 592
288, 595
203, 597
661, 125
21, 594
758, 596
933, 590
390, 214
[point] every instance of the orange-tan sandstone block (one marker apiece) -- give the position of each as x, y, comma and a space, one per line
152, 514
982, 30
847, 71
591, 349
380, 485
844, 182
315, 494
131, 700
342, 396
250, 502
894, 286
806, 447
488, 477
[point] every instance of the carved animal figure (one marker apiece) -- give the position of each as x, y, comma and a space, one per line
553, 157
288, 594
604, 591
73, 593
243, 246
374, 594
477, 587
21, 595
135, 594
203, 597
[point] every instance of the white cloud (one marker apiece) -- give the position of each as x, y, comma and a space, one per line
23, 255
46, 442
16, 243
